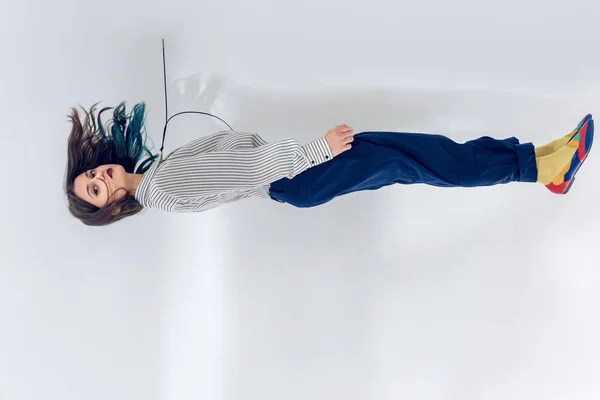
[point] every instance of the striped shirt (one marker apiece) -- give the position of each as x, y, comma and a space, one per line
223, 168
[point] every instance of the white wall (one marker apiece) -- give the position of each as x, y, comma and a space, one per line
416, 292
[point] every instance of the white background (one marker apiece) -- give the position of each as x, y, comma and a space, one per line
404, 293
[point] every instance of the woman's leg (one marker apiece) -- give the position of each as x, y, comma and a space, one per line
379, 159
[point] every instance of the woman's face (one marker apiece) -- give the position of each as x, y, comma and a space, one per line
102, 185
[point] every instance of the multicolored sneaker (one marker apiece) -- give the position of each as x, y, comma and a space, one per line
582, 138
583, 121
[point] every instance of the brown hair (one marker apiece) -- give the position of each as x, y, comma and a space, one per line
90, 145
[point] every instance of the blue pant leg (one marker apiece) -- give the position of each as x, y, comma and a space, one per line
379, 159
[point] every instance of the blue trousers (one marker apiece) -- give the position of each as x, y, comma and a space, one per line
379, 159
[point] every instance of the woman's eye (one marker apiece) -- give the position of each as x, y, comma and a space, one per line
95, 190
93, 173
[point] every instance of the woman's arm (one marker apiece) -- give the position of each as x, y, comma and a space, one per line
226, 170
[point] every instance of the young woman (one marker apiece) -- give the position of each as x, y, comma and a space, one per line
111, 174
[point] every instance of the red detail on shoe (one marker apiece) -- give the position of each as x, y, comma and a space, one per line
560, 189
582, 136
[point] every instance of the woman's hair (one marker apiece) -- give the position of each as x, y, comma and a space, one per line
90, 144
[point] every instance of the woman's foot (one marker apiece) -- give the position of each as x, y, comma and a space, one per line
550, 148
552, 166
557, 170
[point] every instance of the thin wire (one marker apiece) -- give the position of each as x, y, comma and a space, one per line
198, 112
167, 118
165, 81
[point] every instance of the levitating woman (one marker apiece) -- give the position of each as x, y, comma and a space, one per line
111, 174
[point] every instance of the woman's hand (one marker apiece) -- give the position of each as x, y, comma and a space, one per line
339, 139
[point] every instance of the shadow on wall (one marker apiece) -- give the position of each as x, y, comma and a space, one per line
458, 114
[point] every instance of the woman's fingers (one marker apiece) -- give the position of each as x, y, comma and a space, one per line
339, 138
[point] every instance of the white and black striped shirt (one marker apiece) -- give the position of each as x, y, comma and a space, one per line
223, 168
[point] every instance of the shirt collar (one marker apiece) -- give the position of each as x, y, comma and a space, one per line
143, 189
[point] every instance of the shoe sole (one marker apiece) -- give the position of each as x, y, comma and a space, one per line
589, 131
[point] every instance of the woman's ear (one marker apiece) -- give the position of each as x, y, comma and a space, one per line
116, 211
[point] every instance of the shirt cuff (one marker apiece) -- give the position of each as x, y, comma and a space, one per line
317, 152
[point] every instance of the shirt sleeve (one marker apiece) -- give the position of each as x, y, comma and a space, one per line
220, 171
